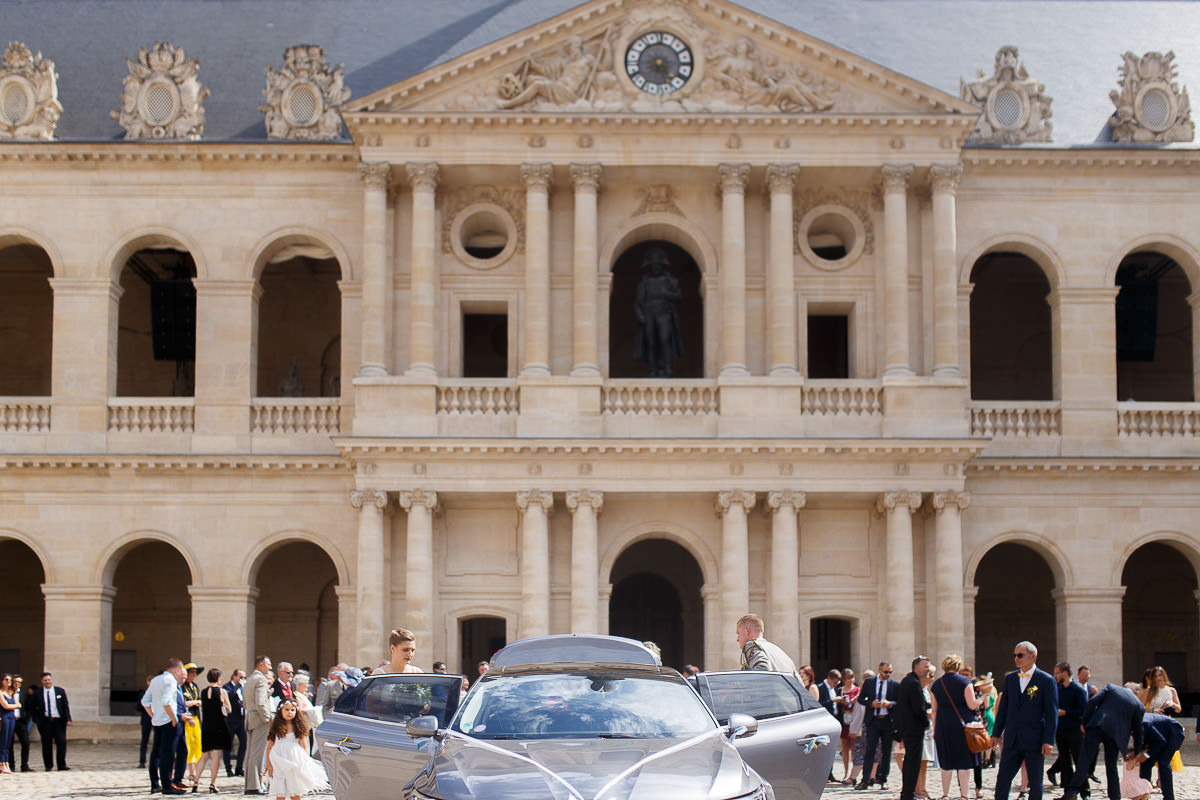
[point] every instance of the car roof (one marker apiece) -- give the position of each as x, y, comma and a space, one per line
575, 648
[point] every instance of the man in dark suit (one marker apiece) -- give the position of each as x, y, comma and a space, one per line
282, 687
1072, 699
1162, 736
829, 695
911, 721
878, 697
1111, 716
1026, 721
236, 722
52, 715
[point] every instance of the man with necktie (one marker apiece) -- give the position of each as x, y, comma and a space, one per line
236, 722
878, 697
1026, 721
1111, 717
52, 715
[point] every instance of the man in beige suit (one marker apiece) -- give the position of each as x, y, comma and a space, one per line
257, 697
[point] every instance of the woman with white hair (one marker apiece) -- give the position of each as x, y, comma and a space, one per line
315, 714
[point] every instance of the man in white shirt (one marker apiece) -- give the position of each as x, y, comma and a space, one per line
757, 652
52, 715
159, 701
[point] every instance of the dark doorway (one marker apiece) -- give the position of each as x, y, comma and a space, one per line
485, 345
656, 597
1159, 622
156, 337
1011, 351
829, 644
1011, 609
26, 306
479, 639
622, 323
297, 608
1154, 330
299, 327
24, 610
828, 346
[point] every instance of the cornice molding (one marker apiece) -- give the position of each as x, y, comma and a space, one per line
209, 464
334, 153
1080, 466
1115, 157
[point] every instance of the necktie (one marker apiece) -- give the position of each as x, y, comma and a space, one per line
51, 711
1024, 674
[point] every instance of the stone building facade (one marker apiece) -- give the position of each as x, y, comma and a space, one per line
934, 391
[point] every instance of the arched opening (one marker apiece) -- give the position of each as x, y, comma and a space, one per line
23, 649
26, 320
478, 640
1154, 330
296, 616
671, 307
1159, 621
829, 644
1011, 350
156, 338
151, 619
300, 324
656, 597
1015, 603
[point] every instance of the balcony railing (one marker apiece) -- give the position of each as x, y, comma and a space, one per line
1160, 420
151, 414
24, 415
854, 398
476, 398
682, 398
1016, 419
283, 416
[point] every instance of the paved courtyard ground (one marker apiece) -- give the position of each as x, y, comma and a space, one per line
109, 770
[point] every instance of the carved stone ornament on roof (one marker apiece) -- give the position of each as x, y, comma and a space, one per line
29, 107
1150, 105
858, 201
304, 96
1015, 106
162, 98
509, 198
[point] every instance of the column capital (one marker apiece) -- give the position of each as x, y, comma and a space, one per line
944, 178
776, 500
586, 177
537, 175
733, 178
890, 501
585, 497
423, 175
363, 498
418, 497
535, 497
895, 177
940, 500
781, 178
734, 497
375, 174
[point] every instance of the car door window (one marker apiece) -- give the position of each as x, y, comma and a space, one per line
762, 695
398, 699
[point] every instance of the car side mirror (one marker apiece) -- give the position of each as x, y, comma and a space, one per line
422, 727
741, 725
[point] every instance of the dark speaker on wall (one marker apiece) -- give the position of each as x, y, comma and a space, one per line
173, 319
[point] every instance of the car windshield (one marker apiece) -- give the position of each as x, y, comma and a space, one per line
586, 704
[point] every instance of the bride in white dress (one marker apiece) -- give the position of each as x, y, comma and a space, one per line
291, 770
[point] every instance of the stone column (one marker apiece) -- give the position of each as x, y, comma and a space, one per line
222, 624
83, 368
1077, 610
948, 560
732, 507
733, 269
377, 284
900, 627
226, 362
781, 272
535, 508
419, 588
586, 180
78, 645
944, 179
783, 617
895, 269
372, 573
536, 350
422, 311
585, 561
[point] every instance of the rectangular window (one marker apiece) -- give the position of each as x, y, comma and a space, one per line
829, 346
484, 345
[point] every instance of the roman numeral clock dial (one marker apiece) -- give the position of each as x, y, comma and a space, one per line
658, 63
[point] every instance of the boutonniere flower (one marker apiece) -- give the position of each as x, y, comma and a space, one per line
1030, 692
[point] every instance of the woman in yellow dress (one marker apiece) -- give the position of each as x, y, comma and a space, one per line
191, 734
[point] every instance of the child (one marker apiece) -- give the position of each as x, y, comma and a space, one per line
289, 766
1132, 783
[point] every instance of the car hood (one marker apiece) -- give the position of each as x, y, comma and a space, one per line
704, 768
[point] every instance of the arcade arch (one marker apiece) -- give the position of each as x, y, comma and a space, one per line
1011, 342
1154, 329
1160, 622
24, 607
656, 596
1010, 609
156, 323
296, 614
26, 318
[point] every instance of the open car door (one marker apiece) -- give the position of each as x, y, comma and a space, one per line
363, 743
797, 739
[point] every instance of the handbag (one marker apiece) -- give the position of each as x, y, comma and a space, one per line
978, 740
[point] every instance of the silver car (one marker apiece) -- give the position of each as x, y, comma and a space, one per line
579, 718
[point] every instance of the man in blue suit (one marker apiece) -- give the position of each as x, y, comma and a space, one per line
879, 699
1163, 736
1111, 716
1026, 721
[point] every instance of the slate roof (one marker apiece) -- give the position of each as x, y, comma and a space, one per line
1072, 46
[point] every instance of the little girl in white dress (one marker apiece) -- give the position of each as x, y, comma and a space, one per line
292, 771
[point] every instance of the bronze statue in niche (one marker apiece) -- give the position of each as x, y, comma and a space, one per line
658, 341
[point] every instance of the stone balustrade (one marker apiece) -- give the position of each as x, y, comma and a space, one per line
1158, 420
24, 415
151, 415
1016, 419
670, 398
284, 416
842, 398
478, 398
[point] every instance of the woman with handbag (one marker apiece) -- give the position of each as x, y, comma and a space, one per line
954, 703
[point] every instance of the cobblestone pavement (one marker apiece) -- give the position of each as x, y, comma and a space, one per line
108, 770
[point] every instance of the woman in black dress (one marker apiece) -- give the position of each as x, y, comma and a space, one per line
214, 734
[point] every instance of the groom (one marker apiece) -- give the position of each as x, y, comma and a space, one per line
1026, 720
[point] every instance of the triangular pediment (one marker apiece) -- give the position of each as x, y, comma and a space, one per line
650, 56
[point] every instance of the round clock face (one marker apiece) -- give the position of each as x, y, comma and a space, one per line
658, 63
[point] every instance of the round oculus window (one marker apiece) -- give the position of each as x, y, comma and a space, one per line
659, 63
159, 102
1007, 108
302, 104
1155, 110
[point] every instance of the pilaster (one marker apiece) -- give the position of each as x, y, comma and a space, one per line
950, 634
419, 587
585, 178
1084, 331
222, 625
895, 178
422, 310
900, 627
732, 506
783, 618
78, 645
535, 506
377, 285
536, 350
732, 271
226, 363
585, 568
944, 179
372, 574
83, 360
781, 272
1086, 621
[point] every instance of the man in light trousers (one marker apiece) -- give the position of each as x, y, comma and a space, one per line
257, 697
